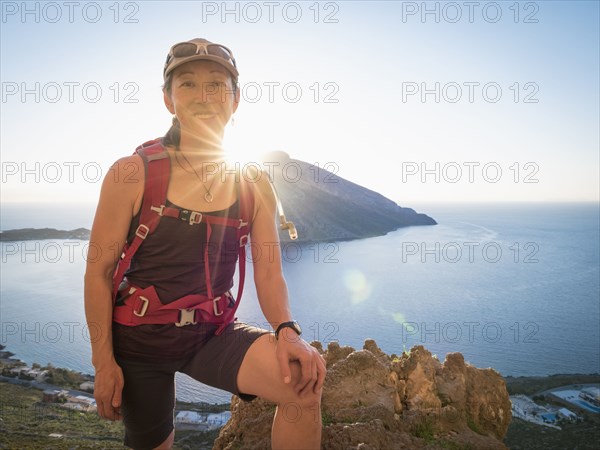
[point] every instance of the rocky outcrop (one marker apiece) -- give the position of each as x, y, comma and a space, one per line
375, 401
326, 208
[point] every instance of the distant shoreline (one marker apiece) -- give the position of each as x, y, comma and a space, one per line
38, 234
540, 384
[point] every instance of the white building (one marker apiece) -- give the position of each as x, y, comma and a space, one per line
567, 414
218, 420
591, 394
189, 417
87, 386
202, 420
80, 403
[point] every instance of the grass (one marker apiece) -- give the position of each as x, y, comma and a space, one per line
425, 430
27, 422
326, 418
450, 445
524, 435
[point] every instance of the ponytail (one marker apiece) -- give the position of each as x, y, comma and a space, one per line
173, 136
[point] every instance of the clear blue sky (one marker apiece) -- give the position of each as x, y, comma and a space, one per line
536, 120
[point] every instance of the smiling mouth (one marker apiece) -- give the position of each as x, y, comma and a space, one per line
204, 115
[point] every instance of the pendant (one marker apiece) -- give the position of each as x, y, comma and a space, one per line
208, 197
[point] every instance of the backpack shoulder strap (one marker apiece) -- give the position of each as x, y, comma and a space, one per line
246, 200
156, 181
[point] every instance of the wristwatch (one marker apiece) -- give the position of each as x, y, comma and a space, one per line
292, 324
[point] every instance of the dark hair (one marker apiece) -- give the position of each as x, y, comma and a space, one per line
173, 135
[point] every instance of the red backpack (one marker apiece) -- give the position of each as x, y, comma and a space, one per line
142, 306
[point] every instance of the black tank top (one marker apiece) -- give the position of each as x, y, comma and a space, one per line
172, 257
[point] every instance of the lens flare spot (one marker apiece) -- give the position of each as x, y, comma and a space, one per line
358, 285
399, 317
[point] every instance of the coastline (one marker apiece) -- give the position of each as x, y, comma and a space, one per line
535, 385
526, 385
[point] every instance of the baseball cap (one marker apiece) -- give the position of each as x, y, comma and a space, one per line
199, 49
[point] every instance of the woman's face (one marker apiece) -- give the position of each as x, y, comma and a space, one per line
202, 97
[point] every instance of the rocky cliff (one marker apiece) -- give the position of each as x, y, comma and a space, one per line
326, 207
375, 401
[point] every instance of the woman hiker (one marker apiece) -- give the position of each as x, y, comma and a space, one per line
172, 222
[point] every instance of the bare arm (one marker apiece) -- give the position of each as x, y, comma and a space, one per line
120, 196
266, 256
273, 294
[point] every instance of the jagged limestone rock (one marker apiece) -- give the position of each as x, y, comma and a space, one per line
371, 401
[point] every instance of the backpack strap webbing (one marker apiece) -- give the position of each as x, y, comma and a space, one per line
156, 172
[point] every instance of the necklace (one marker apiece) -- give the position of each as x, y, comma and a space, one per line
207, 196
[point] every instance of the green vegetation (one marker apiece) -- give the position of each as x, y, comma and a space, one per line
27, 422
450, 445
326, 418
425, 430
529, 436
64, 377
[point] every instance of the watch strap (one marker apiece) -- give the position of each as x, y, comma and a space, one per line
290, 324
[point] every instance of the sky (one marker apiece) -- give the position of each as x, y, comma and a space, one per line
420, 101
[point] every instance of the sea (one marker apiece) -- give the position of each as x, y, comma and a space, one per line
512, 286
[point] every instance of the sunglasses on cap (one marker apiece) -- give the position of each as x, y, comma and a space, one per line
184, 52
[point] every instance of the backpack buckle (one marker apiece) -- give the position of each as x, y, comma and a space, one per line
158, 209
144, 307
192, 217
195, 217
142, 231
216, 306
186, 317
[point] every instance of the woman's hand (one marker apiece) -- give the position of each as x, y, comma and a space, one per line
108, 388
290, 347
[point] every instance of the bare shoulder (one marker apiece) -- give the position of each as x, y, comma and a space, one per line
264, 196
127, 170
124, 182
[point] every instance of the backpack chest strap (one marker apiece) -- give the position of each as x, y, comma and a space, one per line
196, 217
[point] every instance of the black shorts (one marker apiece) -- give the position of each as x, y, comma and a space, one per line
149, 356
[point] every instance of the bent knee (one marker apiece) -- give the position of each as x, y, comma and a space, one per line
308, 399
